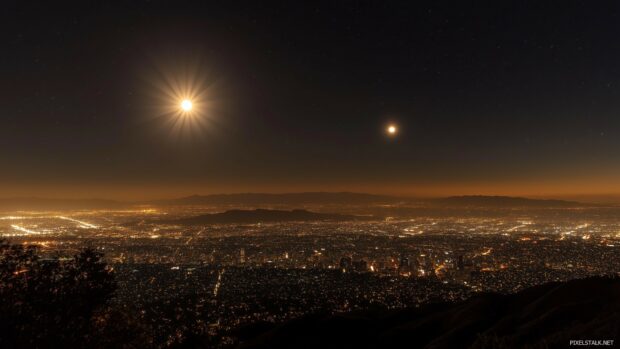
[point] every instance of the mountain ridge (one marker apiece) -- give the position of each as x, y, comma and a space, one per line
365, 198
296, 199
263, 216
284, 198
506, 201
548, 315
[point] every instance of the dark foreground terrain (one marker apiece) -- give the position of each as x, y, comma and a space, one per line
546, 316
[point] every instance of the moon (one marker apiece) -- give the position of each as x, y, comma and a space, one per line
186, 105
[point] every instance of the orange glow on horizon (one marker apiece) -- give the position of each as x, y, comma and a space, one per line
593, 190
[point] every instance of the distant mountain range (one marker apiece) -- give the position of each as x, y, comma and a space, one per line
292, 200
503, 202
546, 316
360, 198
285, 199
263, 216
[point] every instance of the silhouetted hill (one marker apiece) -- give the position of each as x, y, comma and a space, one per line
346, 198
545, 316
263, 216
295, 199
284, 199
504, 202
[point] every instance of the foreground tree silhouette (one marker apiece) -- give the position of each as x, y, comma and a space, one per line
55, 302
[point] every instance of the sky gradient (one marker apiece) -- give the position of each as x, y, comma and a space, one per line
519, 98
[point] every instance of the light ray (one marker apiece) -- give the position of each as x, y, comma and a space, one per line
182, 99
26, 231
82, 224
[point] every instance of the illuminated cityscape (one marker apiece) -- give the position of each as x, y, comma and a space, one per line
240, 274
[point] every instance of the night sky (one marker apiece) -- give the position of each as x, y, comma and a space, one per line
515, 99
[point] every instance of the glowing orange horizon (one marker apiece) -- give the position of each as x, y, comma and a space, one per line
148, 191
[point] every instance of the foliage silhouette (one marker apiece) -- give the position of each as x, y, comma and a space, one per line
57, 302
